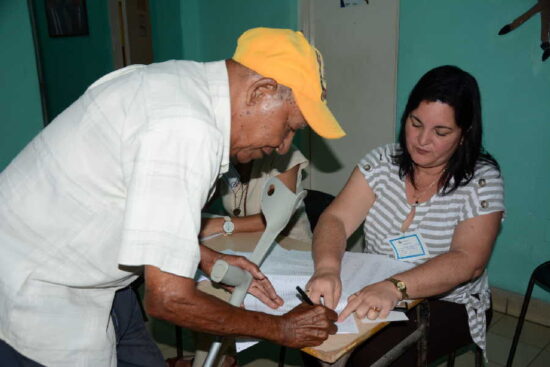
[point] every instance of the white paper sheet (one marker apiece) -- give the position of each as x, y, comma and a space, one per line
287, 269
392, 316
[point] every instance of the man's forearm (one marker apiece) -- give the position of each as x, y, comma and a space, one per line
177, 299
209, 314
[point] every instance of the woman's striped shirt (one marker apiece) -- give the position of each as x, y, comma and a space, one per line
435, 219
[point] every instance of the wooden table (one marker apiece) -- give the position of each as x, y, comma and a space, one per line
336, 345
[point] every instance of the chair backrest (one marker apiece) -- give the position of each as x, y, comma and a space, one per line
541, 275
316, 202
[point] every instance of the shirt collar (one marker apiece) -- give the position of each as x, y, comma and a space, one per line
218, 84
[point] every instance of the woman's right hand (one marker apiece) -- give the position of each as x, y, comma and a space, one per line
325, 283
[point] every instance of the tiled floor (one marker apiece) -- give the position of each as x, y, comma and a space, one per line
533, 349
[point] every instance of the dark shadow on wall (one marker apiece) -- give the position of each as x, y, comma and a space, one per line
324, 158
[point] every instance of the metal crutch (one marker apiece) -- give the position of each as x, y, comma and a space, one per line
278, 205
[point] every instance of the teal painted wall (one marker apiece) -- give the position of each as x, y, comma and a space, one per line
222, 22
211, 27
19, 90
515, 88
71, 64
166, 29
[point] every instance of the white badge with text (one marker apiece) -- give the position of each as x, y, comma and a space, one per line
408, 246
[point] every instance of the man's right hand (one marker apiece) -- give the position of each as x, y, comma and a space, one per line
307, 326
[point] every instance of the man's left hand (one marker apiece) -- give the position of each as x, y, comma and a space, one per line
260, 288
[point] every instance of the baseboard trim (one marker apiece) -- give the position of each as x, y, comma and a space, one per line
510, 303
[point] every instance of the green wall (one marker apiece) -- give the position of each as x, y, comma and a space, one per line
71, 64
19, 91
166, 29
207, 30
221, 22
515, 87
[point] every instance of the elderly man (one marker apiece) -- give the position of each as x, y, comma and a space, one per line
114, 187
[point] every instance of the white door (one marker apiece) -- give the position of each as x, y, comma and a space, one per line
359, 46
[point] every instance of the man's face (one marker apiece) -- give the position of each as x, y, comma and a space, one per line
267, 125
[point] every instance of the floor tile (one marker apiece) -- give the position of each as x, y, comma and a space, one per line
267, 354
531, 334
497, 316
542, 360
167, 351
465, 359
498, 347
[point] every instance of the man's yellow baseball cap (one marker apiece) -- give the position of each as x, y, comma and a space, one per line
288, 58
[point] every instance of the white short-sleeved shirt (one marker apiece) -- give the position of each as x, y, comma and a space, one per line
435, 219
247, 197
115, 182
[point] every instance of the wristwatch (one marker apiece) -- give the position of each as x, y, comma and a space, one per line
228, 226
401, 287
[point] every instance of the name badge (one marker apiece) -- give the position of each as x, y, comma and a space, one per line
232, 177
408, 246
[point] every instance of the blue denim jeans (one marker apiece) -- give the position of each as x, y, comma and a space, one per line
135, 347
9, 357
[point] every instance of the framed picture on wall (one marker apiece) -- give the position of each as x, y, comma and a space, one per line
66, 18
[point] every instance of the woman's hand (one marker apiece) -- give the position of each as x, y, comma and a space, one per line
260, 288
325, 283
210, 226
374, 301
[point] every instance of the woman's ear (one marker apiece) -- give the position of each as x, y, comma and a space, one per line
259, 89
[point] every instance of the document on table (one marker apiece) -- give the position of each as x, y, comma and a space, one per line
285, 285
392, 316
287, 269
358, 269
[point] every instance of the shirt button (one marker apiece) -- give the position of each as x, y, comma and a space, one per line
484, 204
482, 182
367, 167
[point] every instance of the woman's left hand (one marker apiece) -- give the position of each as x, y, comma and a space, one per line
374, 301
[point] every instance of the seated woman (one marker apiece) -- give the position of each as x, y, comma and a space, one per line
439, 184
241, 192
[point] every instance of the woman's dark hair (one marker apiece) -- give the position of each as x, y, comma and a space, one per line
458, 89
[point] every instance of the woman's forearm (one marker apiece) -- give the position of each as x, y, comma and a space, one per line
438, 275
329, 243
250, 223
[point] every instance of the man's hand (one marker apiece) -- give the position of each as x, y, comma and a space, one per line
260, 288
325, 283
307, 326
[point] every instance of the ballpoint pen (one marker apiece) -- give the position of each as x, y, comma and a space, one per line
304, 296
